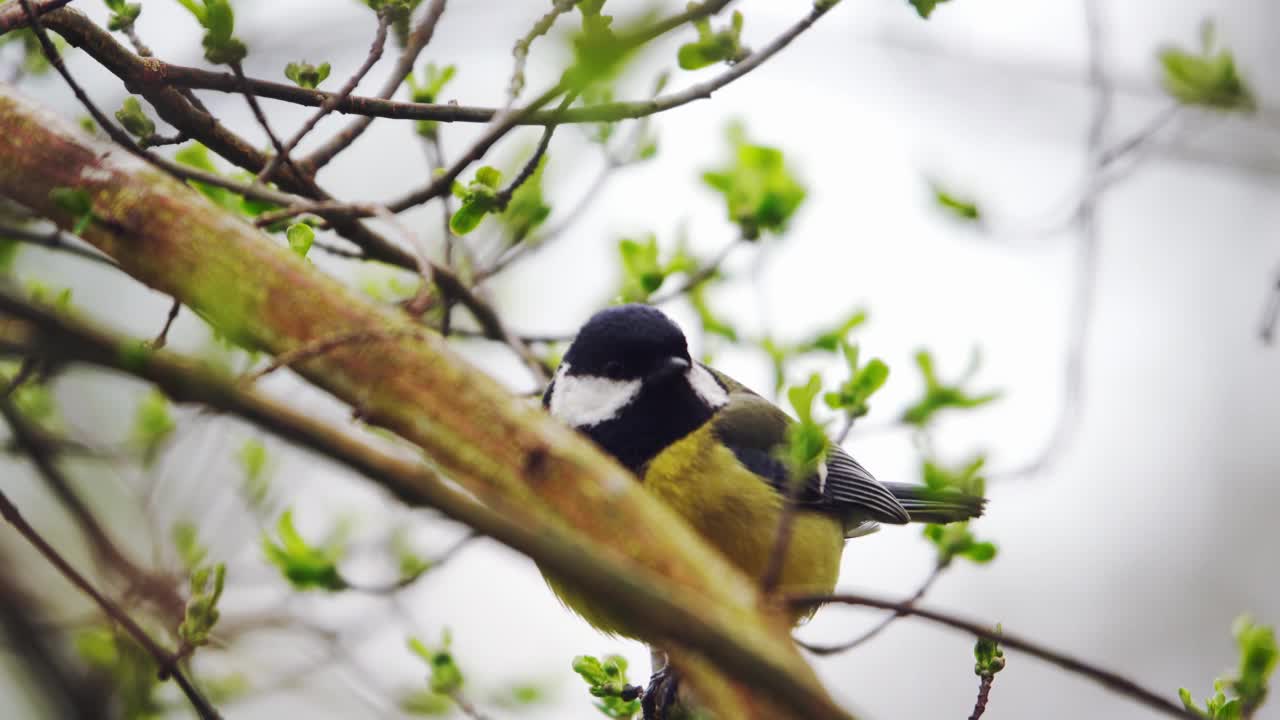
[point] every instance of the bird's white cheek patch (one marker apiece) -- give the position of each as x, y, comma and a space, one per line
707, 387
582, 401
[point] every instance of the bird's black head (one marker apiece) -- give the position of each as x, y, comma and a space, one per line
627, 342
628, 382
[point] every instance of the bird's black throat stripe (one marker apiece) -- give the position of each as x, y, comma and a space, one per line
657, 418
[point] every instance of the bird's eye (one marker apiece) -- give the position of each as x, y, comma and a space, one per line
613, 369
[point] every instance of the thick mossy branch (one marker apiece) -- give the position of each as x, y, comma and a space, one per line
503, 449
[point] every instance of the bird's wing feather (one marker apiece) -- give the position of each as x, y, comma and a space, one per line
756, 429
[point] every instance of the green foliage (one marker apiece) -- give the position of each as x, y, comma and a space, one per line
446, 677
133, 674
711, 321
434, 79
1208, 78
9, 248
34, 61
202, 609
479, 198
59, 300
607, 680
217, 18
197, 156
300, 236
598, 54
925, 8
77, 203
186, 540
956, 540
953, 204
989, 658
520, 695
306, 567
642, 270
123, 14
32, 398
806, 438
528, 208
305, 75
1258, 655
761, 193
832, 338
132, 117
711, 46
425, 703
152, 425
253, 463
939, 395
863, 382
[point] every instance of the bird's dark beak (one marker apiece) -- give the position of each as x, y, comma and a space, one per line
670, 368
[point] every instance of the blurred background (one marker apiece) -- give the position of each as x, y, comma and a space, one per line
1132, 502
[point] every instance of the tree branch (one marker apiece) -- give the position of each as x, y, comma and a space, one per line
504, 452
1111, 680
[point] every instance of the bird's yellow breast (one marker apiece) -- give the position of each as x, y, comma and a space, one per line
735, 511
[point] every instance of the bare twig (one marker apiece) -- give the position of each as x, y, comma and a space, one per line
880, 626
417, 41
433, 564
703, 274
1111, 680
331, 102
984, 693
54, 239
521, 49
1270, 313
35, 444
163, 337
164, 659
282, 153
18, 14
504, 196
325, 345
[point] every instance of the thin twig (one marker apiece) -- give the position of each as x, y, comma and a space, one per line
984, 693
521, 49
322, 346
503, 197
282, 153
163, 337
880, 626
703, 274
375, 53
417, 41
1111, 680
430, 565
164, 659
55, 239
35, 445
1271, 312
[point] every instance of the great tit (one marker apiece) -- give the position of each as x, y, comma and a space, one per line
709, 448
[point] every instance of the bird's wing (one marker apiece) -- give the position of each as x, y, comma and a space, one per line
756, 430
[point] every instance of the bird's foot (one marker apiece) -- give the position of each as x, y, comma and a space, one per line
661, 695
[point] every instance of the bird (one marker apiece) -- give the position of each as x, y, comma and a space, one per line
710, 449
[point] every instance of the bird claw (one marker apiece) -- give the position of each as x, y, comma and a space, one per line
661, 695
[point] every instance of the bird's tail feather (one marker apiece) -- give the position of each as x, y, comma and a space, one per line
927, 505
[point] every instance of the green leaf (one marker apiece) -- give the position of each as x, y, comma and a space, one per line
77, 203
955, 205
253, 463
186, 540
202, 613
864, 380
306, 75
306, 567
152, 425
1208, 78
123, 14
8, 253
134, 119
940, 396
925, 8
989, 656
428, 91
759, 190
300, 236
479, 198
712, 47
607, 681
446, 677
197, 156
527, 208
